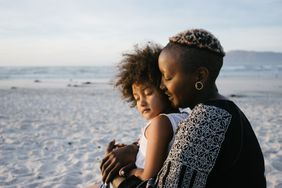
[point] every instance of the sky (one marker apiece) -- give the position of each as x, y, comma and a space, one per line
95, 32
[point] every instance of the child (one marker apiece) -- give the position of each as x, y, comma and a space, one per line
139, 80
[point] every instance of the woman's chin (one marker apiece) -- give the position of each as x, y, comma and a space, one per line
174, 104
178, 104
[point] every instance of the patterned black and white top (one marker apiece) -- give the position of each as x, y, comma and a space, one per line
214, 147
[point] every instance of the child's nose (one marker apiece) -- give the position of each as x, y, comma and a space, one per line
143, 101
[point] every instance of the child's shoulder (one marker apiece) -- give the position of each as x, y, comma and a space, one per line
160, 126
159, 122
178, 114
167, 121
176, 117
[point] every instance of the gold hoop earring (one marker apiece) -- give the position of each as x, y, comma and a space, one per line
199, 85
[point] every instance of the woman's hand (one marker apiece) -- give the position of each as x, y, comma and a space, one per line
127, 170
117, 158
112, 146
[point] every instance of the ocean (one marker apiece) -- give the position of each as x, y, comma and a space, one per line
96, 73
108, 73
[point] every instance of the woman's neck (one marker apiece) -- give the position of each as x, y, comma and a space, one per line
171, 110
210, 93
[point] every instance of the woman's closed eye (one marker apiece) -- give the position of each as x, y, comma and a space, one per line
167, 78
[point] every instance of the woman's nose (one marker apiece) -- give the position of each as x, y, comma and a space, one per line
162, 86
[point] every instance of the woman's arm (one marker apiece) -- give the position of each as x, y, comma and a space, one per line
158, 135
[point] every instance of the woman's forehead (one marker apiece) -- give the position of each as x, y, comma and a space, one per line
169, 60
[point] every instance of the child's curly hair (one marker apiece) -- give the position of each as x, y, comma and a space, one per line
141, 67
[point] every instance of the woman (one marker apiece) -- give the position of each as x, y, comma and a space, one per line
215, 146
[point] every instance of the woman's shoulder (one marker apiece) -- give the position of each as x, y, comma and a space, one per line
212, 111
220, 103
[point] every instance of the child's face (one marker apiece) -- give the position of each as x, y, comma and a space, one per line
179, 85
149, 101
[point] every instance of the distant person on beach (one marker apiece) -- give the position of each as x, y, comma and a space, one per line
139, 79
216, 145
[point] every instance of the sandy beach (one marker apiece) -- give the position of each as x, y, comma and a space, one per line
53, 133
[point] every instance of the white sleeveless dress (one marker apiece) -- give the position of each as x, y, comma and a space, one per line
174, 118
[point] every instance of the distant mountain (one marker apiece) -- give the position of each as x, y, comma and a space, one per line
248, 57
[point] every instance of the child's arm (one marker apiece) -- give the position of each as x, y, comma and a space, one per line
158, 135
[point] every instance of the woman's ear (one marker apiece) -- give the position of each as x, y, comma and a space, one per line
202, 74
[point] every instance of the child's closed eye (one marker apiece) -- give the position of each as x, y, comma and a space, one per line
136, 97
148, 92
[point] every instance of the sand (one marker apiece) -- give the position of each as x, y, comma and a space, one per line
53, 133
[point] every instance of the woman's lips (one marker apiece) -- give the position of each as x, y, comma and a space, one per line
169, 96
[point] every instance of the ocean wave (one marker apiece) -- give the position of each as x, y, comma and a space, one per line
109, 72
